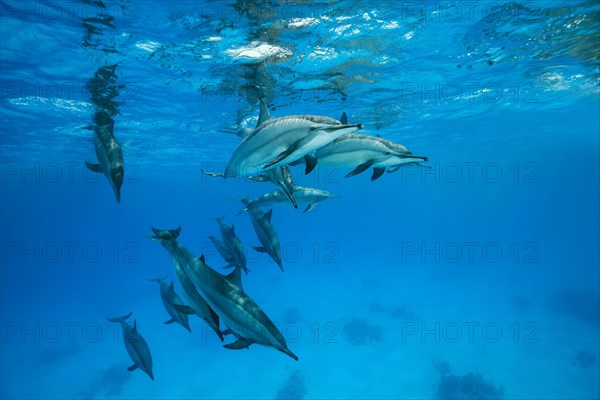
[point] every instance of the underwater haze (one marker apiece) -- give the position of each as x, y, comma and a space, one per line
474, 275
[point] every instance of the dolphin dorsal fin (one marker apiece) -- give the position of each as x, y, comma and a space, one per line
269, 214
264, 114
202, 258
235, 277
344, 119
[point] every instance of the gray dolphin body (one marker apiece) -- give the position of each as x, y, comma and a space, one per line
231, 245
267, 236
197, 304
173, 304
362, 152
108, 153
225, 295
303, 195
279, 141
136, 346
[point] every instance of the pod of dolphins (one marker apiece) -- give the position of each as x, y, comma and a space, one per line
264, 155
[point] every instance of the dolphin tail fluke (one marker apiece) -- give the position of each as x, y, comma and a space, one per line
93, 167
120, 319
164, 234
159, 280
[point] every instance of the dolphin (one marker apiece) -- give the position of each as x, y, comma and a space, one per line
265, 232
362, 152
304, 195
170, 300
225, 295
280, 176
136, 346
232, 244
279, 141
197, 304
108, 152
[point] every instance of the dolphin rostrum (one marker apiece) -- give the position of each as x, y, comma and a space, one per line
280, 141
197, 304
362, 152
136, 346
304, 195
225, 295
171, 300
108, 152
265, 232
231, 244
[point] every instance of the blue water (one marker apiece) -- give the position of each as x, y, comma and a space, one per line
477, 278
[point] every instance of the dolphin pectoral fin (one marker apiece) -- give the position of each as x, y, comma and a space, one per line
259, 178
93, 167
169, 321
132, 368
377, 172
287, 152
311, 163
361, 168
241, 343
261, 249
310, 207
183, 309
213, 174
227, 331
290, 196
